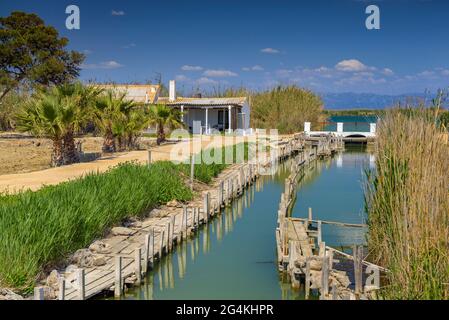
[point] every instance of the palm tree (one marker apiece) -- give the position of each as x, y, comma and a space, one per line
110, 113
164, 117
58, 113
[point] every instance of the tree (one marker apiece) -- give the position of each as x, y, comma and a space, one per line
57, 114
164, 117
32, 52
110, 113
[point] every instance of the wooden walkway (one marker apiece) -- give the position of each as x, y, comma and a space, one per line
301, 252
130, 252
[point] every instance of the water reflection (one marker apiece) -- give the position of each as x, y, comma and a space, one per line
233, 257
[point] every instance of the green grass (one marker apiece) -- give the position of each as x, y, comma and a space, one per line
205, 171
39, 229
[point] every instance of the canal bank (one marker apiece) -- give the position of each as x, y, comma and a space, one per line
234, 257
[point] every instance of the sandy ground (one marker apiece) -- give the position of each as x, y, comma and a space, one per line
36, 157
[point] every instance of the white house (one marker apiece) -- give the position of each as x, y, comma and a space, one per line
201, 115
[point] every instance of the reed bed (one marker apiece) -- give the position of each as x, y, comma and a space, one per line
210, 162
39, 229
408, 205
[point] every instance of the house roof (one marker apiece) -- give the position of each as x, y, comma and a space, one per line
205, 102
136, 92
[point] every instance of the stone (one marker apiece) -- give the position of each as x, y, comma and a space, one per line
341, 277
315, 265
315, 279
71, 268
300, 262
82, 258
49, 293
131, 279
174, 204
100, 247
53, 280
122, 231
98, 261
6, 294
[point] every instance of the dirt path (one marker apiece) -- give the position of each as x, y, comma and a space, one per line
14, 183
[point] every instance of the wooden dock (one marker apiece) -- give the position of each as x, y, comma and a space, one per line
124, 257
302, 254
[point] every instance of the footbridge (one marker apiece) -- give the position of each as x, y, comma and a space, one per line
347, 136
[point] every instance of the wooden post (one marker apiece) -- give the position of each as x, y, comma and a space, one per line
192, 171
334, 291
38, 293
161, 249
147, 253
184, 220
173, 224
138, 264
307, 280
319, 233
220, 194
168, 245
81, 284
310, 215
206, 206
357, 253
61, 292
324, 277
149, 157
152, 254
330, 253
118, 277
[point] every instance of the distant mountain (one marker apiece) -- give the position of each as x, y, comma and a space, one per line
350, 100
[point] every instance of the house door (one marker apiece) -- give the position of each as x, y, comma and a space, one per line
223, 119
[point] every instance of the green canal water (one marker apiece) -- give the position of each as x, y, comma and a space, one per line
234, 256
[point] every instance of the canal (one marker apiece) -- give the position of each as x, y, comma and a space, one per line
234, 257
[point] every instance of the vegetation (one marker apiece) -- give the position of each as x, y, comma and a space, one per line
164, 117
285, 109
408, 205
33, 54
40, 228
58, 113
119, 120
210, 162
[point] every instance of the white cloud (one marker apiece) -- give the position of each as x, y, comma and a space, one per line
205, 81
387, 72
219, 73
87, 51
191, 68
118, 12
103, 65
351, 65
253, 68
445, 72
131, 45
181, 78
270, 50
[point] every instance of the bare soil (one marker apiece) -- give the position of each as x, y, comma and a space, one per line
20, 153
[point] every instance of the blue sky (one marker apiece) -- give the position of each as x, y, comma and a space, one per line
321, 45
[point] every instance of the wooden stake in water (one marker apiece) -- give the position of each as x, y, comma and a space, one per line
206, 206
61, 292
146, 258
307, 284
118, 277
324, 277
38, 293
138, 264
81, 284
